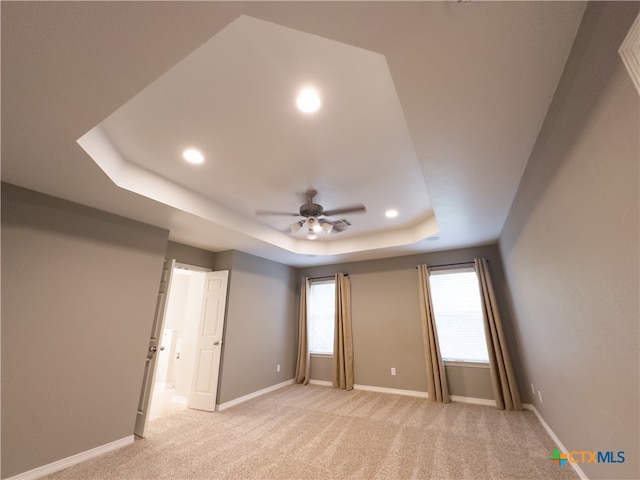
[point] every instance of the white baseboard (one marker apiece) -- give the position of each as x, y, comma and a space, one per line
555, 438
238, 401
392, 391
370, 388
419, 394
73, 460
324, 383
411, 393
474, 401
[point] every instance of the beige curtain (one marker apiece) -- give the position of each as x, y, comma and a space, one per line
436, 377
505, 388
304, 360
343, 340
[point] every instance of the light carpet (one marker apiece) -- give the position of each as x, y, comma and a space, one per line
316, 432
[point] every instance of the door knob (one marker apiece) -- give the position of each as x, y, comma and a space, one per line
216, 342
153, 349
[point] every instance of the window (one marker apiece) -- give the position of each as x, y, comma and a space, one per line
321, 315
457, 309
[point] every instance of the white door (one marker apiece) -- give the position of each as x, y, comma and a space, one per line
148, 381
204, 386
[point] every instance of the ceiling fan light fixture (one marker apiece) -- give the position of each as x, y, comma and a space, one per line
313, 224
296, 226
327, 227
391, 213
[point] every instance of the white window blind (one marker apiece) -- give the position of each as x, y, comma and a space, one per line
457, 308
321, 316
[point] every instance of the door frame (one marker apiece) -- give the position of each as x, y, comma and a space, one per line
148, 381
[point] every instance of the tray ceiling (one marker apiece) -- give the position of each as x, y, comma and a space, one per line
431, 108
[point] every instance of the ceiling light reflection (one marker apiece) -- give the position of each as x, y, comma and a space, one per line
193, 155
308, 100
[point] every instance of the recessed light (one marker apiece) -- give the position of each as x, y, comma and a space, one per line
308, 100
192, 155
391, 213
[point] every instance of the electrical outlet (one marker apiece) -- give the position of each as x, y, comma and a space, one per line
277, 367
393, 371
540, 396
533, 389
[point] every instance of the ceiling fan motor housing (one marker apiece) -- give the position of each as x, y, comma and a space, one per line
311, 210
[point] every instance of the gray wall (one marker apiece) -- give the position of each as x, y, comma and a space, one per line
261, 325
260, 319
79, 289
191, 255
386, 323
224, 260
571, 250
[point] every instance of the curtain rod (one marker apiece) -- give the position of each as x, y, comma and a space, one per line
450, 264
326, 277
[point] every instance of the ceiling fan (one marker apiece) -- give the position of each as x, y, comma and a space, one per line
314, 217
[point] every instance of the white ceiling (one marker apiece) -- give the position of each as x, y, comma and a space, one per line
234, 98
428, 107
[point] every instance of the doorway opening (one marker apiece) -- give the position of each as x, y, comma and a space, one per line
177, 352
185, 343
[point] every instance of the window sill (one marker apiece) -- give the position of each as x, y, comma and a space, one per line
322, 355
453, 363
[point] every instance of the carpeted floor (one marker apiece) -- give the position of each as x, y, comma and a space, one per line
316, 432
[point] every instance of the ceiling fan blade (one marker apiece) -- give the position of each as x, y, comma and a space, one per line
340, 211
270, 212
338, 225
